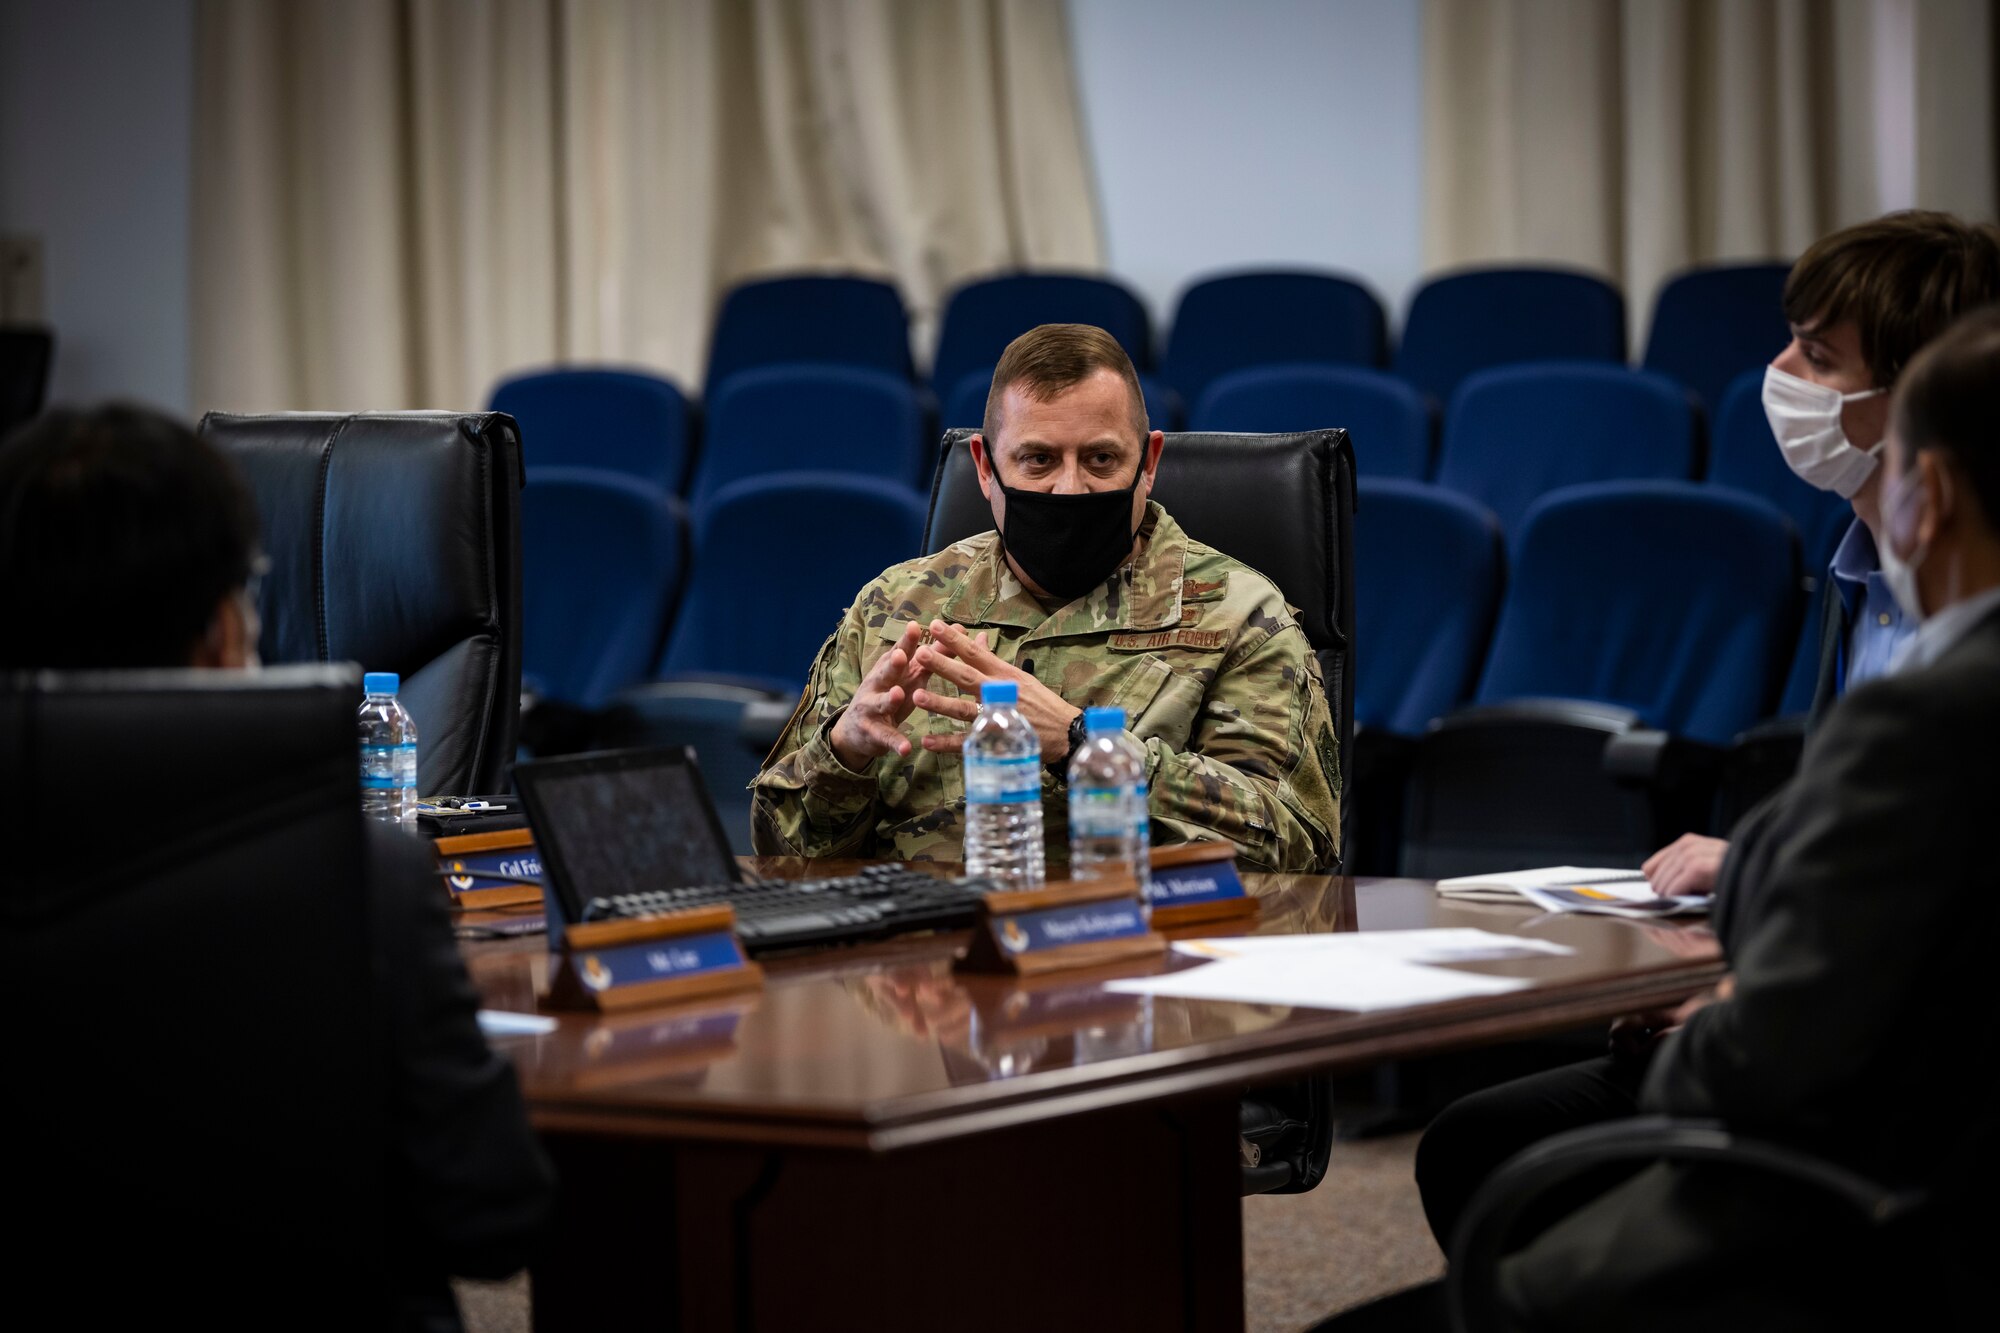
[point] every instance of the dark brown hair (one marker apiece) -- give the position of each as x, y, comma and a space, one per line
120, 531
1051, 358
1902, 279
1949, 400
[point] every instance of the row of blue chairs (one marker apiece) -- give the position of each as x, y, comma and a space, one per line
749, 584
1679, 601
1674, 599
1708, 324
1511, 435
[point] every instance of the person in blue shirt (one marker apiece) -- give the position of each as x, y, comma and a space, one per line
1861, 303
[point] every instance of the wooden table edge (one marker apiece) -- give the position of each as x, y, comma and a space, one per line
1185, 1071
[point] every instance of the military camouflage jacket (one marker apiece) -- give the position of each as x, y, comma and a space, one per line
1209, 664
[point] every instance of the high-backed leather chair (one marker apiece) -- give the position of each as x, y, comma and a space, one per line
395, 542
196, 1094
1284, 505
1281, 504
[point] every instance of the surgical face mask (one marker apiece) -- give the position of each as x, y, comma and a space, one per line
1898, 573
1806, 419
1069, 544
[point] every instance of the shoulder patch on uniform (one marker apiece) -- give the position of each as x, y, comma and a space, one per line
1205, 640
1329, 758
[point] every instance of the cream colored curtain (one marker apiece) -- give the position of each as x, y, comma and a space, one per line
1637, 138
398, 201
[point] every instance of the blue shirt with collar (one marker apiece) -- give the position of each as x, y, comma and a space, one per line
1876, 625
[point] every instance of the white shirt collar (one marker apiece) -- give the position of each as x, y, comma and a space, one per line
1941, 632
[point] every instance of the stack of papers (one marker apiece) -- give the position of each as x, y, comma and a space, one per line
1361, 971
1573, 889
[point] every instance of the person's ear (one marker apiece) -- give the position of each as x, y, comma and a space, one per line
1149, 464
1935, 479
982, 465
228, 641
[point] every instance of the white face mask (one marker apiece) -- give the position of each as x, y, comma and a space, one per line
1806, 419
1898, 573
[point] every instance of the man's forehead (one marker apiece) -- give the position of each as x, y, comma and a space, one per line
1093, 412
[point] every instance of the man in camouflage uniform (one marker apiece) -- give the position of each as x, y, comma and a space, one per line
1092, 594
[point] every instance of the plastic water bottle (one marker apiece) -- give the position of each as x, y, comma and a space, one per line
1003, 791
388, 752
1109, 830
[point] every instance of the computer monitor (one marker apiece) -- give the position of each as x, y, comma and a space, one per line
623, 821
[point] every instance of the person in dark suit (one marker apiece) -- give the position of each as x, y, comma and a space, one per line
128, 542
1861, 303
1857, 912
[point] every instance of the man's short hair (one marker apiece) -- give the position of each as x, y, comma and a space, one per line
120, 533
1053, 358
1949, 400
1902, 279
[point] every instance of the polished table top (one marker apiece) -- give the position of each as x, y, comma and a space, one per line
884, 1046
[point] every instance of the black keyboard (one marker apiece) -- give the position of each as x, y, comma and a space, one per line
809, 913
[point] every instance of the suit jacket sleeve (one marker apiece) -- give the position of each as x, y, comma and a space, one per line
468, 1182
1828, 951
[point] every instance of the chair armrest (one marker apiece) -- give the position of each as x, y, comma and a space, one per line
1483, 1234
764, 722
1644, 757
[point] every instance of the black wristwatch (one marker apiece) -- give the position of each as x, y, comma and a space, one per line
1076, 736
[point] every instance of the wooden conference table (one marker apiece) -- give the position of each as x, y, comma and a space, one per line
875, 1141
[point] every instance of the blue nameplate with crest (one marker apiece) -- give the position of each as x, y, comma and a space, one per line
1067, 925
1197, 882
623, 964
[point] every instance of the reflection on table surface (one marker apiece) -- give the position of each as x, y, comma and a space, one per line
885, 1032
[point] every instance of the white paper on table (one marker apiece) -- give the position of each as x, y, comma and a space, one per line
1463, 944
1314, 979
1510, 884
1615, 900
500, 1023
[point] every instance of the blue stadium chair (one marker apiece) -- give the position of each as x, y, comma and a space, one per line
1389, 422
1712, 324
767, 586
623, 421
1645, 625
765, 589
1241, 320
1428, 567
812, 418
600, 559
966, 405
1743, 454
982, 317
1480, 318
843, 321
1513, 435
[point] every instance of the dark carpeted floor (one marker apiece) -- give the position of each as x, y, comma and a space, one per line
1360, 1235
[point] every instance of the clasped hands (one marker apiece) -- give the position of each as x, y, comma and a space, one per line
872, 723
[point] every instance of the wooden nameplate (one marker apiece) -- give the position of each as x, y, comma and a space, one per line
1086, 924
1197, 882
615, 965
496, 869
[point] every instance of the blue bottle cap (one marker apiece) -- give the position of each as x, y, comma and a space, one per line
381, 682
1106, 718
999, 692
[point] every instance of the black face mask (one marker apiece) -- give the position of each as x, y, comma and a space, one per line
1069, 543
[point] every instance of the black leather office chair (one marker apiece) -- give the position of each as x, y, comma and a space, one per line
395, 542
26, 352
196, 1103
1486, 1233
1284, 505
